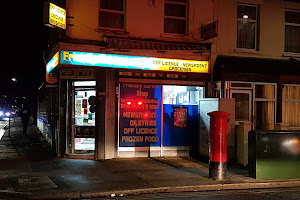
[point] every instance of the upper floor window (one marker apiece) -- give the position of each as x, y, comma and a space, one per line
175, 16
111, 14
247, 26
292, 32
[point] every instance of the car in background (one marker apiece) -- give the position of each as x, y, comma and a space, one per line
5, 112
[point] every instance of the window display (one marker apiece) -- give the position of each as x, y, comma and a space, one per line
141, 115
186, 95
83, 114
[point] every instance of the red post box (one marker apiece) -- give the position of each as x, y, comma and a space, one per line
218, 145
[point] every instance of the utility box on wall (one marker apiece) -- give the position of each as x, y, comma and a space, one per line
215, 104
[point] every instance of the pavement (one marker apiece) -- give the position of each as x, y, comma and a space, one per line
29, 169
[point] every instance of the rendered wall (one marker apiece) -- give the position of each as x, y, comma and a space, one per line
142, 20
271, 30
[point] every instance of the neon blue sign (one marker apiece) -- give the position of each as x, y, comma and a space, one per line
132, 62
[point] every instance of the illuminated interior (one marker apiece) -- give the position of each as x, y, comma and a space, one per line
84, 104
182, 95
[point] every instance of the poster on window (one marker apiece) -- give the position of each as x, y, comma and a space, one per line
84, 103
180, 117
140, 115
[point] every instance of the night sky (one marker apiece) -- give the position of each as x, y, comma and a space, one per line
22, 47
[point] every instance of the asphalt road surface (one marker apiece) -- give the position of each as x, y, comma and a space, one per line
257, 194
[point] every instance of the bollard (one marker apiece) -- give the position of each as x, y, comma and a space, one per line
218, 145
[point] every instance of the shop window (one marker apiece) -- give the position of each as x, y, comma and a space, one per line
247, 26
182, 95
175, 20
264, 106
291, 105
112, 14
292, 31
158, 116
181, 114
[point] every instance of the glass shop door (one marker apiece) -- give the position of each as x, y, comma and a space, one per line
83, 123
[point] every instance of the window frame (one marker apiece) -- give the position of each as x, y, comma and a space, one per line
248, 20
290, 24
114, 12
289, 101
186, 19
259, 99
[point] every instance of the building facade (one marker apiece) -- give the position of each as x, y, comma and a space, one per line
132, 75
256, 60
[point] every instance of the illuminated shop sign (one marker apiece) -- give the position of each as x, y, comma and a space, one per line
57, 16
52, 63
132, 62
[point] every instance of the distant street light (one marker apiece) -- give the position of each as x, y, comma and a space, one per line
14, 79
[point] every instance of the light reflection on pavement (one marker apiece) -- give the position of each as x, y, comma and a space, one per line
3, 123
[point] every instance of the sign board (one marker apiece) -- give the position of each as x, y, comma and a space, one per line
52, 63
67, 73
77, 73
140, 115
54, 16
209, 31
84, 73
132, 62
51, 78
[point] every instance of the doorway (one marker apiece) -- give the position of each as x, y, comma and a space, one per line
83, 108
255, 102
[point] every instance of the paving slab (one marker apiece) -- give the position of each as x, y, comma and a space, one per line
36, 183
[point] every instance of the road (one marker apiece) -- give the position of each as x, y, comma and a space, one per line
257, 194
3, 123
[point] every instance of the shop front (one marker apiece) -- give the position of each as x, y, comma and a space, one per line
158, 119
114, 105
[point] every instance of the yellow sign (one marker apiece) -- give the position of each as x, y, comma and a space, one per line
177, 65
57, 16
